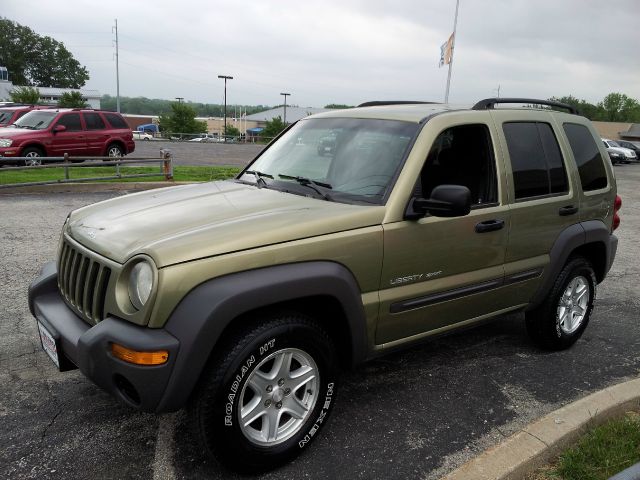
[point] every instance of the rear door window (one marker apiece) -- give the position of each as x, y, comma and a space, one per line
536, 161
593, 175
93, 121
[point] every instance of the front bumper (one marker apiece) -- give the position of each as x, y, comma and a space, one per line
89, 347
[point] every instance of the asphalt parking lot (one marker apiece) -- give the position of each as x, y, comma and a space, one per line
416, 414
194, 153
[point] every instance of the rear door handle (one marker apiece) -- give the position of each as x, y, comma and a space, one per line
489, 226
568, 210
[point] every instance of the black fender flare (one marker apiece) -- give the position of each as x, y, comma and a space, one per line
202, 315
570, 239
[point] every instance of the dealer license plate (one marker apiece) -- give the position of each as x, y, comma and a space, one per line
49, 344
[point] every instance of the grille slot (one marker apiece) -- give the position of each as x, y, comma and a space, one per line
83, 282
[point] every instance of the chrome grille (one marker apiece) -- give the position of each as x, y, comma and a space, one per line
83, 281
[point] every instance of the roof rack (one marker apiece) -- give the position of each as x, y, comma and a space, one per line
378, 103
489, 103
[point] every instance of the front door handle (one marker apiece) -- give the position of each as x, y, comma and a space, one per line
489, 226
568, 210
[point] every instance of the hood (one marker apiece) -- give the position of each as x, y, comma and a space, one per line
183, 223
627, 152
9, 131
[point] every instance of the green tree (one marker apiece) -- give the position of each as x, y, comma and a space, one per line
272, 128
72, 100
617, 107
589, 110
38, 60
28, 95
338, 106
181, 119
231, 131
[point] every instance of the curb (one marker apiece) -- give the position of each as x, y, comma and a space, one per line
539, 442
89, 187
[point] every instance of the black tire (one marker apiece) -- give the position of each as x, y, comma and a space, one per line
224, 388
546, 324
34, 153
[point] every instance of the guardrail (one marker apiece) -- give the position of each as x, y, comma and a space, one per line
66, 162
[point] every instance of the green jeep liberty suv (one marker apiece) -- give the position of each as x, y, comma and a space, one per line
243, 299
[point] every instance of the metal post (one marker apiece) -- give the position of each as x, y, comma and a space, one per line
117, 71
285, 107
225, 77
167, 164
453, 46
66, 166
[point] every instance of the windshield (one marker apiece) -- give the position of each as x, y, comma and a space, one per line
349, 160
5, 116
36, 120
613, 144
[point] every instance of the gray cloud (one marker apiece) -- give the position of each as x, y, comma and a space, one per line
350, 51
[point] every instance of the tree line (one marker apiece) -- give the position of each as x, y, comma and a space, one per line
615, 107
157, 106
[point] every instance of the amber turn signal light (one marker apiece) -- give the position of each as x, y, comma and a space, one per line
139, 358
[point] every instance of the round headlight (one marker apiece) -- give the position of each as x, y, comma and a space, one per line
140, 284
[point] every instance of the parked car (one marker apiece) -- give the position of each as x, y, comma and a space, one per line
207, 138
54, 132
630, 155
617, 157
138, 135
242, 299
327, 144
8, 115
631, 146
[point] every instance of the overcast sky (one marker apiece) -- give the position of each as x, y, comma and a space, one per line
347, 51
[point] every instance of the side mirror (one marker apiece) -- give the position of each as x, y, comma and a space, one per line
59, 128
445, 201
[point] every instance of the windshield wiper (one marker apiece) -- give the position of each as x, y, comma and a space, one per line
307, 182
260, 181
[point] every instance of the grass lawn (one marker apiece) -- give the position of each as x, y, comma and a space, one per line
180, 174
601, 453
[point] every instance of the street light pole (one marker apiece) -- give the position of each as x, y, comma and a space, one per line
225, 77
285, 106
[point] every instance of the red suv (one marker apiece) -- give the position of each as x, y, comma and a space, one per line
54, 132
8, 115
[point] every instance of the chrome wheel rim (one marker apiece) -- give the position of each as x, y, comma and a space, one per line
114, 152
572, 308
278, 397
33, 159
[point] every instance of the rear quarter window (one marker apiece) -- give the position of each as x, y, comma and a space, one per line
590, 163
116, 121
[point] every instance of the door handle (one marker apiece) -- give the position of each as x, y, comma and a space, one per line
568, 210
489, 226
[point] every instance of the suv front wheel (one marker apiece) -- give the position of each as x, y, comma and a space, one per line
562, 318
263, 400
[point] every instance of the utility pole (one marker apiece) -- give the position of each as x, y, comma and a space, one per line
117, 70
285, 106
453, 45
225, 77
180, 99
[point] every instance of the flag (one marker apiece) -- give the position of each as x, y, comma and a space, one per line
446, 51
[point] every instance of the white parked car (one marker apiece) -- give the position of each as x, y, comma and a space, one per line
629, 154
137, 135
206, 138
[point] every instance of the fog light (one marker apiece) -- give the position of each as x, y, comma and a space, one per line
139, 358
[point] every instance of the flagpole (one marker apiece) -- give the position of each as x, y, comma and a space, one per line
453, 45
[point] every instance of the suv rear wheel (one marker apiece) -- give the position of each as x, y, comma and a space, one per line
114, 150
263, 400
33, 155
562, 318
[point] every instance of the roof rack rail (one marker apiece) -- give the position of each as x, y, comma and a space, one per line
378, 103
489, 103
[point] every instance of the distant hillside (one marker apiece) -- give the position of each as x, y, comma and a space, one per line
156, 106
